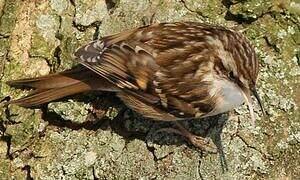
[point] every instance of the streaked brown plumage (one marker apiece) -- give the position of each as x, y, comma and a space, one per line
166, 71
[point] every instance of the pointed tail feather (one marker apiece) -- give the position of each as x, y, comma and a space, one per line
57, 80
52, 87
41, 96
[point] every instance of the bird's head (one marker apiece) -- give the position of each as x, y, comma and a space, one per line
235, 69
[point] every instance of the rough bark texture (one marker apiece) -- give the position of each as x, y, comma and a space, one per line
94, 136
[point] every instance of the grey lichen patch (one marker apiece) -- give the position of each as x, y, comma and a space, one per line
162, 151
295, 71
245, 161
72, 111
135, 10
175, 11
88, 12
66, 34
140, 12
290, 136
130, 162
24, 128
47, 26
78, 153
294, 7
111, 113
285, 149
84, 37
60, 6
44, 41
276, 49
90, 158
182, 164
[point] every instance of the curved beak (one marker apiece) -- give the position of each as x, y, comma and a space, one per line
261, 105
248, 100
247, 95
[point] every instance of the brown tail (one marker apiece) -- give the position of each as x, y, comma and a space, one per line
52, 87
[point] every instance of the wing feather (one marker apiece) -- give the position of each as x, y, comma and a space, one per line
154, 64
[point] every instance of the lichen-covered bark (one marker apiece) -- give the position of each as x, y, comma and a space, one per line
94, 136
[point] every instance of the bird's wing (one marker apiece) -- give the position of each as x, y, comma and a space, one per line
151, 64
127, 63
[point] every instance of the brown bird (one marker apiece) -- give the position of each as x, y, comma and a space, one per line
165, 71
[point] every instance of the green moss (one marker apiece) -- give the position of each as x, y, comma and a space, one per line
251, 8
72, 111
68, 42
4, 169
8, 17
43, 41
4, 44
25, 129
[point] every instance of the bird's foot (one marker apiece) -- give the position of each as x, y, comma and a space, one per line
204, 144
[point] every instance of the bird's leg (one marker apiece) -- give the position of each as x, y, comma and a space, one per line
197, 141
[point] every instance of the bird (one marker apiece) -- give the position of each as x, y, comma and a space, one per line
164, 71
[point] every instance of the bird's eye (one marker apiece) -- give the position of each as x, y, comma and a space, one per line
231, 76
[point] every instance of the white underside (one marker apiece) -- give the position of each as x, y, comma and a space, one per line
231, 96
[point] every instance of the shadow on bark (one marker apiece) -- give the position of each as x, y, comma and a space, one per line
211, 127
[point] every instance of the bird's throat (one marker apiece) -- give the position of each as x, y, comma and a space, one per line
228, 96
